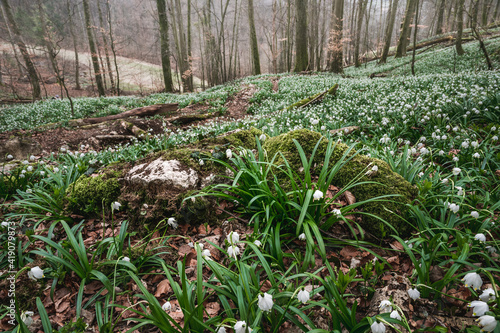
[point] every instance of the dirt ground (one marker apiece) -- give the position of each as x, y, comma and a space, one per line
52, 140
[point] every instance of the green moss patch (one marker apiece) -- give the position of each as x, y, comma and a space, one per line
89, 194
383, 182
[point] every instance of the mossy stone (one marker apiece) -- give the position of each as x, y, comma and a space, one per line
383, 182
242, 138
89, 194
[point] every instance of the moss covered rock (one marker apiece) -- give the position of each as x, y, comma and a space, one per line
385, 181
92, 193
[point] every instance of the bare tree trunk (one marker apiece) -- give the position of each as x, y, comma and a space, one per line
336, 63
301, 58
106, 50
440, 18
52, 53
113, 48
460, 23
402, 43
497, 10
361, 10
390, 27
12, 43
183, 55
189, 48
75, 45
414, 41
165, 51
254, 47
93, 51
33, 75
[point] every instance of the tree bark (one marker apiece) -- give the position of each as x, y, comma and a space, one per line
390, 27
359, 24
165, 51
113, 48
106, 50
403, 42
254, 47
301, 57
75, 45
440, 18
460, 23
337, 55
52, 53
414, 41
93, 51
30, 66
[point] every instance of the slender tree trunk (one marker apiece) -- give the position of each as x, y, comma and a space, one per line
106, 50
30, 66
484, 15
93, 51
440, 18
390, 27
75, 45
460, 23
301, 57
12, 43
497, 10
232, 56
183, 54
189, 48
361, 10
113, 48
52, 53
402, 43
165, 52
336, 63
254, 47
414, 42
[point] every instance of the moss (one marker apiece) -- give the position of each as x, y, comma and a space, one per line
383, 182
388, 181
90, 194
195, 211
243, 138
307, 140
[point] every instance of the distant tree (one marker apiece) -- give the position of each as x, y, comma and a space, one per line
335, 45
254, 47
32, 73
460, 28
105, 44
52, 50
93, 50
414, 51
361, 10
440, 17
165, 51
301, 57
75, 44
393, 8
405, 29
113, 47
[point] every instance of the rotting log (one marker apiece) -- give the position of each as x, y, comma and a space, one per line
146, 111
131, 127
314, 99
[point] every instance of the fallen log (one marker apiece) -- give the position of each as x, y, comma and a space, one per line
314, 99
146, 111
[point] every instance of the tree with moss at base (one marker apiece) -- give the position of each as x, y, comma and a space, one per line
405, 30
301, 56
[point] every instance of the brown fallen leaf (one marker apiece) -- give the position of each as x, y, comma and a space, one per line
163, 288
349, 197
